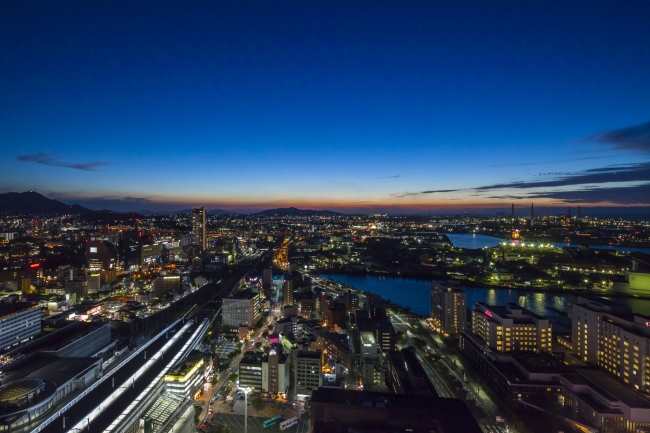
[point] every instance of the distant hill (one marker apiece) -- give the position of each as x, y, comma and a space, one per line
292, 211
33, 202
168, 212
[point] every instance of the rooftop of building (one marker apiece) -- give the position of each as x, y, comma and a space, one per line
9, 308
511, 311
609, 387
309, 354
47, 367
244, 294
452, 414
336, 338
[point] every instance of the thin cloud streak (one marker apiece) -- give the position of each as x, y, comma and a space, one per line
48, 159
635, 138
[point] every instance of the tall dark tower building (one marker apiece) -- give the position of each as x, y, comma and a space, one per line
532, 214
578, 213
198, 227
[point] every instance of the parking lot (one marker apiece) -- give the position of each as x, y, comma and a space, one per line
236, 424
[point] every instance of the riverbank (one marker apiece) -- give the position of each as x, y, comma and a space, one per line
479, 284
414, 294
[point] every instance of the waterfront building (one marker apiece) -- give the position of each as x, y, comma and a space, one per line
511, 327
242, 309
611, 336
198, 227
598, 402
448, 308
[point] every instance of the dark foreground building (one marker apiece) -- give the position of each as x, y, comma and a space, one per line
340, 410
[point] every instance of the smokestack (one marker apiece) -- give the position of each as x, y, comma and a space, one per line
532, 213
513, 211
569, 211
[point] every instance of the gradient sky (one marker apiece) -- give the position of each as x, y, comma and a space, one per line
402, 106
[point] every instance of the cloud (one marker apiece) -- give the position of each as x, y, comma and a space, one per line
623, 195
631, 138
614, 173
519, 164
48, 159
391, 177
619, 183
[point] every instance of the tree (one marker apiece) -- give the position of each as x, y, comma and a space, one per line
214, 380
198, 408
225, 392
219, 428
233, 377
257, 403
231, 404
281, 406
419, 343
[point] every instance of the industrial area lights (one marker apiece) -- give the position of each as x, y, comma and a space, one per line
247, 390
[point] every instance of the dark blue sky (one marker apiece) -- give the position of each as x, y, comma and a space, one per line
401, 106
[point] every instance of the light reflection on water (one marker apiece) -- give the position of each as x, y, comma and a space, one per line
415, 293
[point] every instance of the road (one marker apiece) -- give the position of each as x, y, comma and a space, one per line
487, 416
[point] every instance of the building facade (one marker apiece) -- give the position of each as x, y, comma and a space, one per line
448, 308
242, 309
19, 322
609, 335
307, 372
198, 227
511, 327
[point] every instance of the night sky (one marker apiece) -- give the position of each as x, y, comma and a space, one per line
401, 107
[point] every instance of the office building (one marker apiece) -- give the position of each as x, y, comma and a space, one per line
267, 278
19, 322
287, 291
448, 308
132, 249
242, 309
101, 254
611, 336
276, 370
307, 372
198, 227
342, 410
250, 371
93, 283
504, 329
164, 285
186, 377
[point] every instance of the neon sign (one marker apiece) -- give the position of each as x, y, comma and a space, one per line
488, 314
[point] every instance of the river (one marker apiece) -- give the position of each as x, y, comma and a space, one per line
415, 294
474, 241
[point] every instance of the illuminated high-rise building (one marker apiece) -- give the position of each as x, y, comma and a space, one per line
198, 226
448, 308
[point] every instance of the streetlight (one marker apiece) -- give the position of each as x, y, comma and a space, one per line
246, 391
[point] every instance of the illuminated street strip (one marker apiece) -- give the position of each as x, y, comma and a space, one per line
101, 380
200, 331
127, 383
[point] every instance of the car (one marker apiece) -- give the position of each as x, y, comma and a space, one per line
210, 411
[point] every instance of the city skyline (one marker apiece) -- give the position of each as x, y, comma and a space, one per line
393, 109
